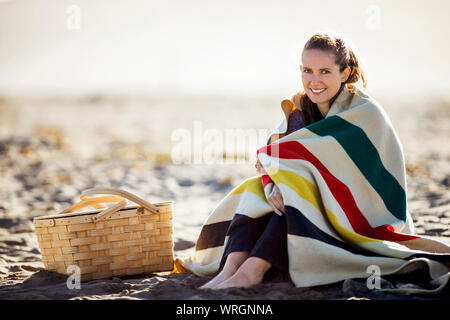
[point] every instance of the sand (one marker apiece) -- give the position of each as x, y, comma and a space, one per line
52, 149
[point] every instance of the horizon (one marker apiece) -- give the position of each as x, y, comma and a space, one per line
201, 48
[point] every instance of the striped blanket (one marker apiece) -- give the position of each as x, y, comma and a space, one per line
343, 184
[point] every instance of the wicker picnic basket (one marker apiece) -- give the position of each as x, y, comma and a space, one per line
119, 240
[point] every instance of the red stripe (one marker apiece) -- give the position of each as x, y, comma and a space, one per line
266, 180
359, 223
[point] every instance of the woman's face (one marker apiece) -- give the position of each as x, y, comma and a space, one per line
321, 76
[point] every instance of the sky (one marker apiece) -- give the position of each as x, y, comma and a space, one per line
214, 47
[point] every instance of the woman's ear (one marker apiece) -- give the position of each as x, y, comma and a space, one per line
345, 74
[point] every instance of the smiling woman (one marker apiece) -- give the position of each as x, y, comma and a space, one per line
328, 64
331, 200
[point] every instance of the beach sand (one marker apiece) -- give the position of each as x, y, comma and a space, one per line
53, 149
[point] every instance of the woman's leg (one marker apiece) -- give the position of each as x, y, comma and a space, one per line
269, 251
251, 272
244, 233
272, 245
232, 264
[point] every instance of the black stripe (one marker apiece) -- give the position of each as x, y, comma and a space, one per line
299, 225
212, 235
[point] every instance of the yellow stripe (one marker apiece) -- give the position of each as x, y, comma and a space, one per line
253, 185
308, 191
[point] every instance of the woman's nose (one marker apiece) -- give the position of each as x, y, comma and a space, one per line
315, 78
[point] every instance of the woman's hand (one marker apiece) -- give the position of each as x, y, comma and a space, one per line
259, 168
276, 201
275, 198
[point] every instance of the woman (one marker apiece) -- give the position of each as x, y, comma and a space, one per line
331, 198
327, 65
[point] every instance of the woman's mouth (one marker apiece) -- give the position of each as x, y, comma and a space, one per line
317, 91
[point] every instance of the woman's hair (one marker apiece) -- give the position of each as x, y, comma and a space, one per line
344, 57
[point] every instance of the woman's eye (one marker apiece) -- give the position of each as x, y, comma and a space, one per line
322, 72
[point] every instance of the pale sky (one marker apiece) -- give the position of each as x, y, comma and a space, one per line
206, 46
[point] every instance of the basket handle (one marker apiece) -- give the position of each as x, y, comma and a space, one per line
114, 195
124, 194
110, 211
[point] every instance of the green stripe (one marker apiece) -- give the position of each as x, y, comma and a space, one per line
365, 156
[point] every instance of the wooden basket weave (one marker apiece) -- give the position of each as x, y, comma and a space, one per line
120, 240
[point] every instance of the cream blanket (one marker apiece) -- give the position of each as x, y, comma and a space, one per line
343, 183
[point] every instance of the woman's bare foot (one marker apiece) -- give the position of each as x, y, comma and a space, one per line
251, 272
233, 262
222, 276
